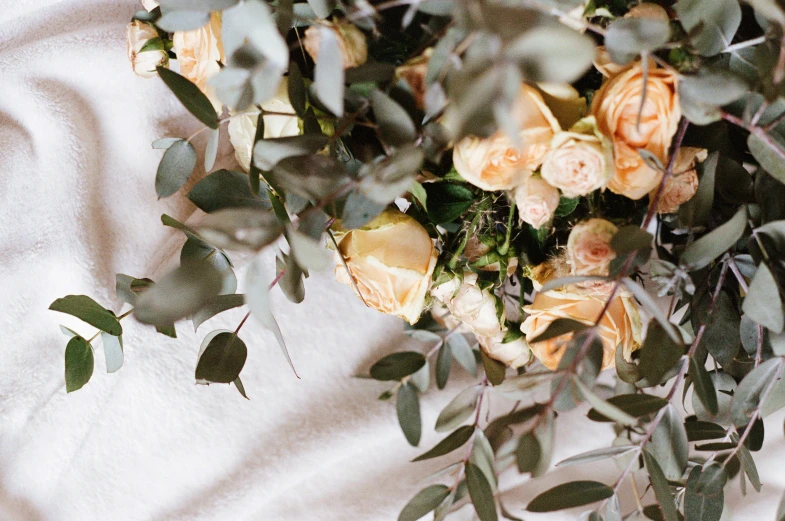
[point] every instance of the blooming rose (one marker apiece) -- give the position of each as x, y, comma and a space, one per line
617, 105
413, 72
242, 127
496, 163
150, 4
580, 160
683, 183
198, 52
536, 201
589, 249
351, 42
619, 326
391, 260
144, 63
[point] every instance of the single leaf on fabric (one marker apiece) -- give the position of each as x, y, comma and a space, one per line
408, 407
569, 495
190, 96
222, 359
423, 502
113, 351
175, 168
481, 493
459, 409
456, 439
763, 303
78, 363
397, 365
88, 310
661, 488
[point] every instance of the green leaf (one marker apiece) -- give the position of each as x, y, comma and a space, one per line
669, 444
712, 479
329, 72
481, 493
463, 353
569, 495
308, 253
447, 201
659, 354
701, 430
113, 351
559, 327
88, 310
240, 387
636, 405
240, 228
359, 210
696, 211
313, 177
762, 302
716, 87
165, 142
190, 96
459, 409
395, 125
225, 189
528, 453
700, 253
423, 502
482, 456
456, 439
196, 5
595, 455
408, 407
749, 394
386, 180
626, 38
211, 150
606, 409
711, 24
291, 283
222, 359
397, 365
175, 168
443, 364
631, 238
269, 152
216, 305
552, 54
661, 488
748, 464
494, 369
78, 363
704, 387
770, 154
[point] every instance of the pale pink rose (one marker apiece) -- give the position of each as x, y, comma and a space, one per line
351, 42
682, 185
536, 201
589, 249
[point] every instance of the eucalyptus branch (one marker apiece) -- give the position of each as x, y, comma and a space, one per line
476, 424
747, 43
759, 132
120, 317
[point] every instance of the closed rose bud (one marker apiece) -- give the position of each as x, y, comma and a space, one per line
513, 353
536, 201
496, 162
144, 61
351, 42
589, 249
580, 161
391, 260
683, 183
198, 53
616, 107
242, 128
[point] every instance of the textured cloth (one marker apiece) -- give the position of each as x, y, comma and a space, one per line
146, 443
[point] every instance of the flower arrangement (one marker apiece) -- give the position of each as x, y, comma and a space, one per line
580, 202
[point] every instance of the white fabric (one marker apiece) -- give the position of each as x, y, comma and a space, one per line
143, 444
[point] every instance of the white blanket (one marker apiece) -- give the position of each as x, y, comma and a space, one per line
144, 444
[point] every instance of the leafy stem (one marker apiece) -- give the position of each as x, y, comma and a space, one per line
120, 317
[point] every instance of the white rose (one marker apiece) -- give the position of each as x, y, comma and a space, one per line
515, 353
536, 201
144, 63
242, 128
198, 53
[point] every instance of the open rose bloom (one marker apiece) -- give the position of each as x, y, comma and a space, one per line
589, 249
198, 53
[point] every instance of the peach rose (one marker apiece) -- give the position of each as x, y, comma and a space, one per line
496, 163
580, 160
617, 105
391, 260
620, 326
536, 201
144, 63
589, 249
351, 42
683, 183
198, 53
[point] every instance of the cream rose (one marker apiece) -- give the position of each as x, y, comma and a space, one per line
580, 160
144, 63
198, 53
496, 163
617, 105
413, 72
682, 185
620, 326
589, 249
536, 201
514, 353
351, 42
391, 260
242, 128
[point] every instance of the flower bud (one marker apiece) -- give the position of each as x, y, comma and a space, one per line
145, 58
536, 201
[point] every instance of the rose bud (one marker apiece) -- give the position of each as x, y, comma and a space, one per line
145, 61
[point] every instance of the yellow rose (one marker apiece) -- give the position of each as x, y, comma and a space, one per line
198, 53
391, 260
589, 249
242, 128
580, 160
351, 42
496, 163
144, 63
413, 72
683, 183
617, 105
536, 201
620, 326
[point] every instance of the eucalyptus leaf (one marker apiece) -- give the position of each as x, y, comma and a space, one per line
408, 407
456, 439
661, 488
183, 20
216, 305
113, 351
711, 24
626, 38
552, 54
308, 253
462, 352
668, 444
190, 96
559, 327
211, 150
608, 410
443, 365
311, 177
703, 430
636, 405
569, 495
78, 364
225, 189
269, 152
763, 303
702, 252
750, 392
222, 359
481, 493
397, 365
329, 72
527, 453
423, 502
700, 506
88, 310
459, 409
175, 168
595, 455
395, 124
659, 354
241, 228
704, 387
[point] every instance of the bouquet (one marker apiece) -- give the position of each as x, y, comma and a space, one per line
578, 202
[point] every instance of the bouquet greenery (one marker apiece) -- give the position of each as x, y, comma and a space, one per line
541, 189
